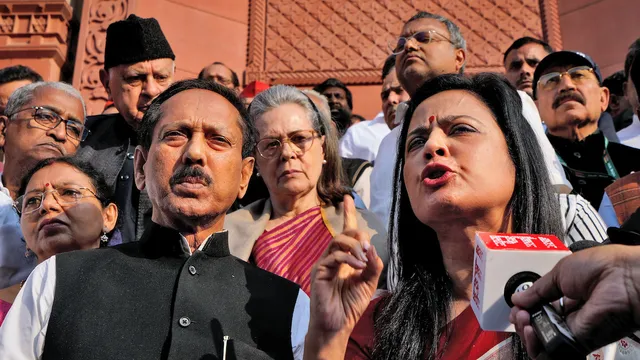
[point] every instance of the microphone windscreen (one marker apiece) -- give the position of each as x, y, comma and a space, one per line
583, 244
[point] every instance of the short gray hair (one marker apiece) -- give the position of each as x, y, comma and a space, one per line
279, 95
25, 94
454, 31
325, 110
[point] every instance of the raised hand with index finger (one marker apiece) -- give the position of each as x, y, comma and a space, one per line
343, 282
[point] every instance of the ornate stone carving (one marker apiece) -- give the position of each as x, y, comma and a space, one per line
35, 33
38, 24
303, 42
6, 24
97, 15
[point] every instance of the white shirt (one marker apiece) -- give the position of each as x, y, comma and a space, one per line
630, 135
361, 141
15, 266
385, 163
24, 330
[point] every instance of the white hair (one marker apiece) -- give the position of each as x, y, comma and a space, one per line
25, 94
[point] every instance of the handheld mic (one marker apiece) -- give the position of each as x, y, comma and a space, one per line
517, 261
504, 264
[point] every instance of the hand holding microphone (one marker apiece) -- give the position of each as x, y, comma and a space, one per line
505, 264
605, 283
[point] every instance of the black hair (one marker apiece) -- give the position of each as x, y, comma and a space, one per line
389, 64
333, 82
18, 73
524, 41
615, 82
634, 51
234, 76
103, 191
151, 117
411, 320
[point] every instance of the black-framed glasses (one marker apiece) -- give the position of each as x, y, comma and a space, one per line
64, 195
578, 75
300, 141
423, 37
50, 119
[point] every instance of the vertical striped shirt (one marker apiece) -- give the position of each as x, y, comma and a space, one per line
581, 221
292, 248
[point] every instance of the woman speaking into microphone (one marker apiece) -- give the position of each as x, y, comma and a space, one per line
467, 161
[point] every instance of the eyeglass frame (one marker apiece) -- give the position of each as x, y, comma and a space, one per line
85, 132
21, 198
431, 39
287, 139
561, 74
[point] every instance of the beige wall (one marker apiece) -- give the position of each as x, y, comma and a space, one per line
604, 29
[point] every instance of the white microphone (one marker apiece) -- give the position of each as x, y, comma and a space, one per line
508, 263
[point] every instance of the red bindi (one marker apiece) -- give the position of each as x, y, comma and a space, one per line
432, 118
47, 184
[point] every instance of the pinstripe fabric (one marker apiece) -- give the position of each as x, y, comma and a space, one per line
581, 221
291, 248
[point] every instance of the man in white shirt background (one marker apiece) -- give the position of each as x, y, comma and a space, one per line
361, 141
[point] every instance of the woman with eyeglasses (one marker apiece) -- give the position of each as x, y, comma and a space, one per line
64, 205
297, 157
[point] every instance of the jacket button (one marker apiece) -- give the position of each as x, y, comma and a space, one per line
192, 270
184, 321
577, 154
124, 177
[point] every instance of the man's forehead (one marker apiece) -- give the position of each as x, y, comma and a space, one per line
424, 25
333, 90
391, 80
217, 69
527, 51
195, 102
147, 66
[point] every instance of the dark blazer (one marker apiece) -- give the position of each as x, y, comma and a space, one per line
110, 148
587, 156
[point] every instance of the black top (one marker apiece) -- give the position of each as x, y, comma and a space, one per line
152, 300
110, 149
587, 156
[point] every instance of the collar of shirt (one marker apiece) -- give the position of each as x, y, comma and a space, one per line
158, 241
3, 189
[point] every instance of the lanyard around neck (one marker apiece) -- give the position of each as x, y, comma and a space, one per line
608, 163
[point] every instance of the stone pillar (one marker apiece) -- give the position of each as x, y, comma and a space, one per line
34, 33
96, 17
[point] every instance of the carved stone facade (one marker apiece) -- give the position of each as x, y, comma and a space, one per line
96, 17
35, 33
303, 42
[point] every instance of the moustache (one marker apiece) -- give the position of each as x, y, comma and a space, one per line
575, 96
190, 172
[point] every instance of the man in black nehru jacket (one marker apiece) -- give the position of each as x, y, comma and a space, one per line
138, 66
177, 293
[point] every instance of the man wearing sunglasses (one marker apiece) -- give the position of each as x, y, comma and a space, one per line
43, 120
571, 99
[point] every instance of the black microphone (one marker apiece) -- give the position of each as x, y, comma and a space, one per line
583, 244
